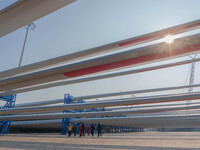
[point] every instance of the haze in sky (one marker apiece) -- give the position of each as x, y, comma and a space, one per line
91, 23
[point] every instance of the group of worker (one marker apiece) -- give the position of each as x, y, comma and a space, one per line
73, 129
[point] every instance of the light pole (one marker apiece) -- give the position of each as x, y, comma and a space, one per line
30, 26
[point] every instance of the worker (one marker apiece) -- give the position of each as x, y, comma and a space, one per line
88, 129
99, 128
83, 129
74, 129
69, 130
92, 129
80, 127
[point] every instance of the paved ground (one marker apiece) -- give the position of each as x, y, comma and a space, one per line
123, 141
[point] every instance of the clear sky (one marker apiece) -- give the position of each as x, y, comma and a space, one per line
90, 23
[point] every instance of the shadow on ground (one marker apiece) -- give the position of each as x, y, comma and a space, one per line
63, 146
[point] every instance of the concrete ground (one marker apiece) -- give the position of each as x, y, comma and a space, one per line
118, 141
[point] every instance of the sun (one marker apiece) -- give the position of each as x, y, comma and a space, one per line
169, 39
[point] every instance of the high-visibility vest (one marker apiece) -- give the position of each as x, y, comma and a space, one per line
69, 128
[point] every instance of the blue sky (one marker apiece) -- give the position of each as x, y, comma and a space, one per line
91, 23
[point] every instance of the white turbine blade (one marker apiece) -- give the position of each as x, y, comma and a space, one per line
24, 12
67, 82
119, 102
101, 49
89, 114
148, 54
48, 102
159, 121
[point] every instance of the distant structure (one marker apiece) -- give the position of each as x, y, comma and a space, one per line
191, 81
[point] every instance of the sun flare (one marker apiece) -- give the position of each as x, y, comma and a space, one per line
169, 39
